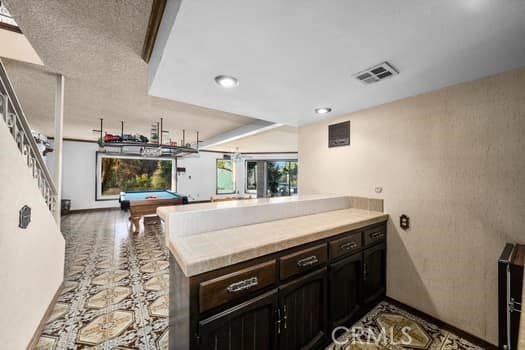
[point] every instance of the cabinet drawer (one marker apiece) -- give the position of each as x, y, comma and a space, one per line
302, 261
223, 289
345, 246
375, 235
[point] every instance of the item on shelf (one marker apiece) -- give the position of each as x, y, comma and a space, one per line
154, 133
137, 144
134, 138
112, 138
141, 138
127, 138
42, 143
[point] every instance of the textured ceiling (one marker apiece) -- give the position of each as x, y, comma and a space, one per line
97, 44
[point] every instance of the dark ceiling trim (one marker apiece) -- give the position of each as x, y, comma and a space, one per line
73, 140
10, 27
157, 10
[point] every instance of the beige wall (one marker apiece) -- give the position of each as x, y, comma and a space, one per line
16, 46
31, 260
454, 161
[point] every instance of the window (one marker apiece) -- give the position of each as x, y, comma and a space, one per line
251, 177
117, 174
281, 178
225, 182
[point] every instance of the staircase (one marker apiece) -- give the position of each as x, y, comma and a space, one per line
14, 118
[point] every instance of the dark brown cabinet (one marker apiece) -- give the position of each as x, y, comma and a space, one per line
302, 304
249, 326
345, 290
288, 300
374, 274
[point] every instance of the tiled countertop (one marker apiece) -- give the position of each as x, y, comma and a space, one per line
164, 211
208, 251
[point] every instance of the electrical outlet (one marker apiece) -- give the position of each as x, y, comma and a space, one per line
404, 222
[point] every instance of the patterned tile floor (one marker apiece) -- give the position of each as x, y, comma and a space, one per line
388, 327
116, 286
116, 294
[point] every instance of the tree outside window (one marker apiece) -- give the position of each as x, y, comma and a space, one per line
130, 174
281, 178
225, 176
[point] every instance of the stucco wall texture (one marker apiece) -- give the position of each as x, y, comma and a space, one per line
454, 161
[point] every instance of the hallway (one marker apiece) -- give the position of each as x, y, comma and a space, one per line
115, 292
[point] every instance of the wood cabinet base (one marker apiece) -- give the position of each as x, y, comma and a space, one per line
287, 300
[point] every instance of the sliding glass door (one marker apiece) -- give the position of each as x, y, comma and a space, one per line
281, 178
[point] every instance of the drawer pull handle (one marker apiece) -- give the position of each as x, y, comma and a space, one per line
309, 261
242, 285
377, 234
348, 245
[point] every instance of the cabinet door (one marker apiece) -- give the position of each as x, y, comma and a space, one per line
344, 290
374, 274
302, 304
248, 326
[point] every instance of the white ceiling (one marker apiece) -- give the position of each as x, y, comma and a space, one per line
292, 56
281, 139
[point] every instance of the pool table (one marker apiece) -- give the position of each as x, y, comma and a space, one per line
140, 203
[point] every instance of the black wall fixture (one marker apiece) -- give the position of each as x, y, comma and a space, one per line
339, 134
24, 217
404, 222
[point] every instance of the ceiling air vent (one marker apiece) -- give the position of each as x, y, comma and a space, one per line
377, 73
339, 134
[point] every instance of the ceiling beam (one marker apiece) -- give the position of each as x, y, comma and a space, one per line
244, 131
155, 17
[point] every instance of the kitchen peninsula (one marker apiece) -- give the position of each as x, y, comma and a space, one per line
272, 273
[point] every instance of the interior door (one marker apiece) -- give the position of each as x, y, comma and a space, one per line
344, 290
374, 274
302, 304
248, 326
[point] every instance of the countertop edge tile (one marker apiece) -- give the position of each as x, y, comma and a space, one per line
354, 219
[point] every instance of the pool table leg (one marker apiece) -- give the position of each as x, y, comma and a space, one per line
135, 223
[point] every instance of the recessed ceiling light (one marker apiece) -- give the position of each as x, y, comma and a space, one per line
323, 110
226, 81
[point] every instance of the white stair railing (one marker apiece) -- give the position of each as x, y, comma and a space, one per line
15, 120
